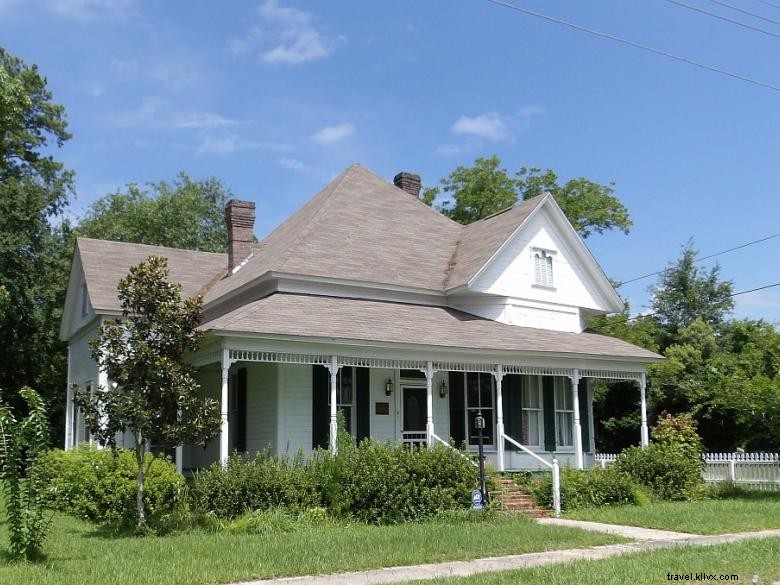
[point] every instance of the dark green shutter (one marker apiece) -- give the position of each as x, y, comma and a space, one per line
457, 408
362, 404
320, 419
240, 444
548, 394
513, 408
584, 414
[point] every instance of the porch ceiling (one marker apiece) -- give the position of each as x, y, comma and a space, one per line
310, 316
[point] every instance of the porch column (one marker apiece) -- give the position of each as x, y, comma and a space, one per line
224, 437
102, 386
70, 411
180, 459
333, 367
575, 393
429, 371
500, 443
644, 436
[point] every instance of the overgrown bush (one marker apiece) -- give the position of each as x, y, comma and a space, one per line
587, 488
667, 471
100, 485
250, 484
23, 444
372, 482
678, 432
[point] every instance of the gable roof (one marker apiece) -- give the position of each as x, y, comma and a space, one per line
105, 263
388, 322
480, 240
360, 227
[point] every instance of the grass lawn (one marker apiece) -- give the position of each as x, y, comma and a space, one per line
752, 511
78, 553
745, 559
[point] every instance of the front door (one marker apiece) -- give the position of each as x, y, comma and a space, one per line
414, 415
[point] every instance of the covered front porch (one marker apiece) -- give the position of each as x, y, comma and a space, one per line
286, 396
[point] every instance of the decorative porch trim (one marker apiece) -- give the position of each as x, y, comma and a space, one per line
243, 355
612, 375
538, 370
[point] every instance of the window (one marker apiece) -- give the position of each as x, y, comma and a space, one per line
84, 300
531, 403
344, 396
564, 413
479, 398
543, 267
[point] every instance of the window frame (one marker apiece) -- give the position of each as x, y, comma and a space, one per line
539, 255
532, 383
563, 384
340, 405
468, 409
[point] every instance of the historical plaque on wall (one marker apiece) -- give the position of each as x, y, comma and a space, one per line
383, 408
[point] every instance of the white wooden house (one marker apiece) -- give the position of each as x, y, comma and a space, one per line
368, 302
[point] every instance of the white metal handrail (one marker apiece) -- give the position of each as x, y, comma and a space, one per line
556, 472
458, 451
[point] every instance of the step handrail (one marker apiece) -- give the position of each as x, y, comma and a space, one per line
556, 473
436, 437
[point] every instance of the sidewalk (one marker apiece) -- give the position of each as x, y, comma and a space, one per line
647, 539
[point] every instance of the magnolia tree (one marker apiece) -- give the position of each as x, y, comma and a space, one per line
153, 394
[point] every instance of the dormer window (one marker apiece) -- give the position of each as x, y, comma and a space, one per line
84, 300
543, 267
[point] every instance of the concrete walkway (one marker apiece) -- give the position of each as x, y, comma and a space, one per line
632, 532
650, 540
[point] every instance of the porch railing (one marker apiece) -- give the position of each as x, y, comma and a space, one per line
413, 438
438, 439
556, 472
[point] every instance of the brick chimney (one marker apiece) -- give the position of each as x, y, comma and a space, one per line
409, 182
240, 220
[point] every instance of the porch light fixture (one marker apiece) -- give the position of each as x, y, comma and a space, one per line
443, 389
388, 387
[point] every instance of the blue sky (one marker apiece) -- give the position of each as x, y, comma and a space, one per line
277, 97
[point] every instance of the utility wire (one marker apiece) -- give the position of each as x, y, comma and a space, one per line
636, 45
743, 11
701, 259
724, 18
770, 4
731, 296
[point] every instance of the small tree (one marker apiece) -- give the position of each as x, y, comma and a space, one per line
22, 443
153, 393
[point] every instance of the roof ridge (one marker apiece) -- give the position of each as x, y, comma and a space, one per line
284, 256
120, 243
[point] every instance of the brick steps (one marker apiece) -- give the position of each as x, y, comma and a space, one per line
511, 499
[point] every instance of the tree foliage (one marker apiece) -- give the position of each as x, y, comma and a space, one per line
486, 188
153, 393
34, 189
186, 214
23, 442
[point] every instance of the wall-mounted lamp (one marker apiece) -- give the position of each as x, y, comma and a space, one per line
443, 389
388, 387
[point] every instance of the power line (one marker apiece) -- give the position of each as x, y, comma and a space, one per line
743, 11
636, 45
700, 259
770, 4
723, 18
731, 296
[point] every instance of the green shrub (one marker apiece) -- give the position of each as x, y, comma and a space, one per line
100, 485
670, 473
587, 488
250, 484
678, 432
372, 482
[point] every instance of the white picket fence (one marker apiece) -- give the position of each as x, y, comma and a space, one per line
758, 471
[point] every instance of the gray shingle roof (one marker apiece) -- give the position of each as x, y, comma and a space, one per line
105, 263
364, 320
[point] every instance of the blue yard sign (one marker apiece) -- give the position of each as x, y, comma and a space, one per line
476, 500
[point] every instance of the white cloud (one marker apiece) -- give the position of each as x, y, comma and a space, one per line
205, 120
450, 149
491, 126
331, 134
288, 37
224, 145
294, 164
171, 74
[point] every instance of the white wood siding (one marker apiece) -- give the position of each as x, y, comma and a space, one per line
441, 406
383, 426
295, 409
83, 370
261, 406
517, 300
